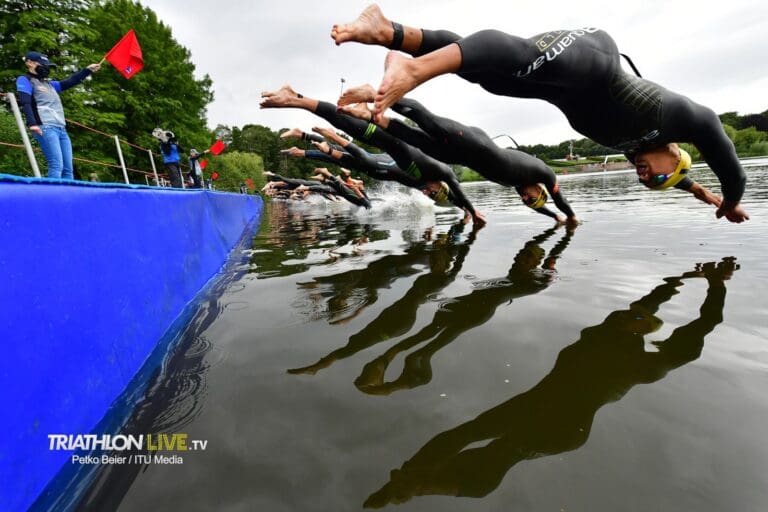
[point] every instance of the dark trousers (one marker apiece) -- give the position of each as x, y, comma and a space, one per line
174, 173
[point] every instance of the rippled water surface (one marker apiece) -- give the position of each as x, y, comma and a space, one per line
399, 358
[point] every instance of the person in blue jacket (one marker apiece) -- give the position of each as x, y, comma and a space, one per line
40, 102
171, 151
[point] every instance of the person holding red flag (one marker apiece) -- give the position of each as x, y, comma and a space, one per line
196, 167
217, 147
39, 99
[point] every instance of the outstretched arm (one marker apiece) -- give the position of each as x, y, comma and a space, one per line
701, 126
699, 191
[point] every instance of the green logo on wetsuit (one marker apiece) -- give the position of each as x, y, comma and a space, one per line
414, 170
369, 131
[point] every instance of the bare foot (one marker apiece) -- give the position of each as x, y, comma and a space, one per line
293, 152
325, 132
359, 110
371, 27
399, 79
292, 133
360, 94
283, 97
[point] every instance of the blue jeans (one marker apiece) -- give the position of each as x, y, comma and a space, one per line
57, 149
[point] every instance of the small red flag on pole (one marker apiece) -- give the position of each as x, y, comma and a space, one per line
250, 184
126, 55
215, 176
218, 147
203, 163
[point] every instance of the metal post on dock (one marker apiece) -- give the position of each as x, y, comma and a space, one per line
154, 169
122, 161
23, 131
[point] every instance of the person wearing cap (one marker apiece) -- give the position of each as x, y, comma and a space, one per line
40, 102
195, 169
579, 72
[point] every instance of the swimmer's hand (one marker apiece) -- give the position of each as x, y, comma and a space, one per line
479, 219
732, 211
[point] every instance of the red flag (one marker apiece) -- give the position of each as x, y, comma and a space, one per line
203, 163
126, 55
218, 147
250, 184
215, 176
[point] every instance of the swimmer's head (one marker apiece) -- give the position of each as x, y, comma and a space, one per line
439, 192
662, 167
533, 196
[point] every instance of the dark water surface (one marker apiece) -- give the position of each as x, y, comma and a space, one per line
399, 357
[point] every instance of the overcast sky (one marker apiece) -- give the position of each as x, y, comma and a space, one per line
714, 52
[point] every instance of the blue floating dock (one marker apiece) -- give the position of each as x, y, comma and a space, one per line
93, 277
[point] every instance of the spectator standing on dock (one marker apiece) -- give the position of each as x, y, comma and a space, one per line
171, 151
39, 99
195, 169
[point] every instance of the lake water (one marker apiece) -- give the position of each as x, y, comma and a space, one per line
399, 358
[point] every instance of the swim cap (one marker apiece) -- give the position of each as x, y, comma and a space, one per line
442, 195
539, 201
662, 181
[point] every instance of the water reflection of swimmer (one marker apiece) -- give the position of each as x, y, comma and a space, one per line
292, 235
446, 258
556, 415
464, 313
354, 290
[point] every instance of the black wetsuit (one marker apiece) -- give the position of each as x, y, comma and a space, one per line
415, 168
455, 143
331, 186
579, 72
379, 166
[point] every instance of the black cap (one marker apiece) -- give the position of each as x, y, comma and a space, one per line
39, 57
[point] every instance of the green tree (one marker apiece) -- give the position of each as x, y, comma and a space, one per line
747, 137
12, 160
75, 33
57, 28
235, 167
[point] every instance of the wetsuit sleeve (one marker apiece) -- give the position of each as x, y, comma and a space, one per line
24, 88
546, 211
700, 125
72, 80
560, 201
457, 194
684, 184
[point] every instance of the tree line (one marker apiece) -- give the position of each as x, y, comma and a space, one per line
166, 93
